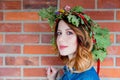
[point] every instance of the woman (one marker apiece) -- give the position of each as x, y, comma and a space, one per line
75, 41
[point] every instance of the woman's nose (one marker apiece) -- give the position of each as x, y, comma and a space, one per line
62, 38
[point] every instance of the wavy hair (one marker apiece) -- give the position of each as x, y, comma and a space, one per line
83, 59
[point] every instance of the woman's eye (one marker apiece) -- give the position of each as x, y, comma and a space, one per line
59, 33
69, 33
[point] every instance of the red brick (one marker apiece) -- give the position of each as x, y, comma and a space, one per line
101, 15
9, 49
21, 16
118, 61
113, 50
1, 16
10, 72
112, 38
51, 61
10, 27
35, 49
108, 4
22, 38
37, 4
110, 72
13, 79
118, 15
20, 61
1, 60
112, 26
106, 62
8, 5
37, 27
1, 38
118, 38
34, 72
84, 3
46, 38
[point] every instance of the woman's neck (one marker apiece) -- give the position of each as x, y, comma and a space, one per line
70, 56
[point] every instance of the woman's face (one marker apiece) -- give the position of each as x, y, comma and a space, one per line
66, 39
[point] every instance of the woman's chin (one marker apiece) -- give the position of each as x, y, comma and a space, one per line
62, 54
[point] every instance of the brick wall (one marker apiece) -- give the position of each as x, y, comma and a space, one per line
25, 48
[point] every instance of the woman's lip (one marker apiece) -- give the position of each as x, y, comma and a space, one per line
62, 47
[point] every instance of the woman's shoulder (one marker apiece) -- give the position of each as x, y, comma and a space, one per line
89, 74
90, 70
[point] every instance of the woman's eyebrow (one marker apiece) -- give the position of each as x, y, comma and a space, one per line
65, 29
58, 30
69, 29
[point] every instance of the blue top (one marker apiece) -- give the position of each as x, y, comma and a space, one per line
86, 75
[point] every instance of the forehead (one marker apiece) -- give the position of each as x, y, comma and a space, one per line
63, 25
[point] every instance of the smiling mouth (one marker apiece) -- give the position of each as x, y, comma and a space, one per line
63, 47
